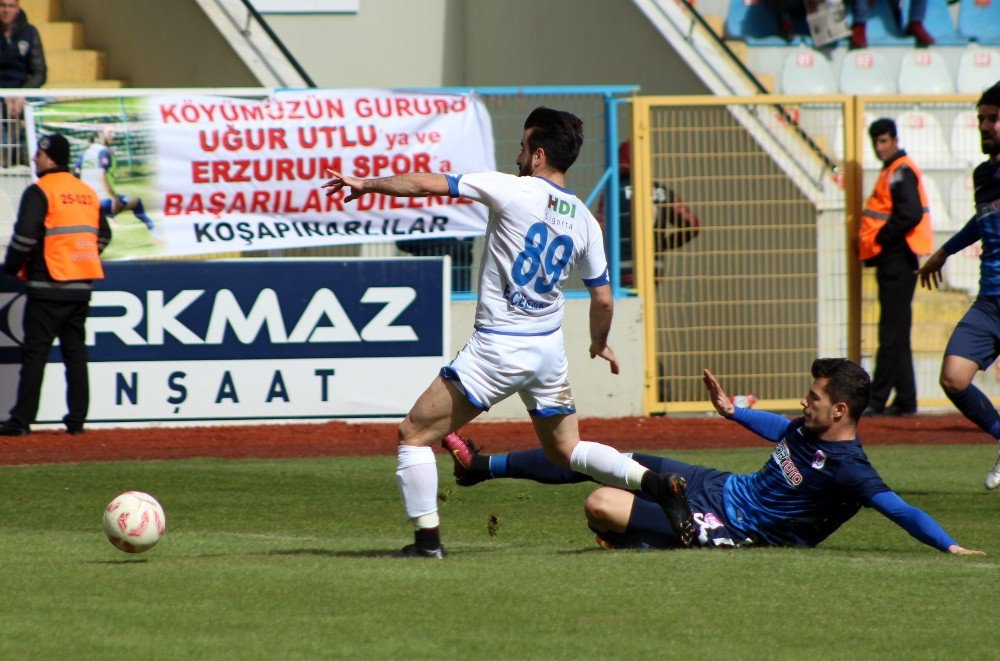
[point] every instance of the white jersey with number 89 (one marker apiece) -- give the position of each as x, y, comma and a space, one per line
536, 234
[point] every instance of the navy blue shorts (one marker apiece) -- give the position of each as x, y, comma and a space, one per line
704, 496
977, 335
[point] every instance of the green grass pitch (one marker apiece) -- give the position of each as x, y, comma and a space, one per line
282, 559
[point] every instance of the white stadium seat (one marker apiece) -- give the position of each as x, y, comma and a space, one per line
961, 202
978, 69
865, 72
921, 136
940, 216
924, 71
807, 72
966, 146
961, 271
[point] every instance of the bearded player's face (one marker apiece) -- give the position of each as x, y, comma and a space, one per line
989, 128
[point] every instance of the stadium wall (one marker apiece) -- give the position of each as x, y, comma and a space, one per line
147, 48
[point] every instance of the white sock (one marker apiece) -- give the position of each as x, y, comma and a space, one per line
417, 479
607, 465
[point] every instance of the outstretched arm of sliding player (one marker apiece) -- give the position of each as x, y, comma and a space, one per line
917, 522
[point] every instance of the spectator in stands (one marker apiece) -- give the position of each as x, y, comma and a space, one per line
915, 26
786, 11
674, 224
895, 229
22, 64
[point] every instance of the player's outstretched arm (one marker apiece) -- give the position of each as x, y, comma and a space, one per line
718, 396
918, 523
930, 273
412, 184
955, 549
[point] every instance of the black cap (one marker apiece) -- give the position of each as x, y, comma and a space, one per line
57, 147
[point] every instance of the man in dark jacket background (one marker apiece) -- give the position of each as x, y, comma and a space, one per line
22, 64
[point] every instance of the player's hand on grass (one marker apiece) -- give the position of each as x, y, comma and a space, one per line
718, 396
339, 182
930, 273
958, 550
608, 354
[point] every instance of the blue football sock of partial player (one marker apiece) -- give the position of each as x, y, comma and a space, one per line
976, 406
140, 213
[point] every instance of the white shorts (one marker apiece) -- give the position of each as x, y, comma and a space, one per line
491, 367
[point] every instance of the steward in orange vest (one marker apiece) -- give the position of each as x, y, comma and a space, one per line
58, 236
876, 229
895, 230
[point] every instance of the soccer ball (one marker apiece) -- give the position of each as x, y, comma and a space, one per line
134, 521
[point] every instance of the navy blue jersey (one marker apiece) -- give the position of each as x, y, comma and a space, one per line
986, 182
805, 491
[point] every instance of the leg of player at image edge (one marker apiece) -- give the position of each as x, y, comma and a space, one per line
976, 406
417, 479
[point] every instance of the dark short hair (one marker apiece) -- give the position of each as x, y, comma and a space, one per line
991, 97
882, 126
847, 382
558, 133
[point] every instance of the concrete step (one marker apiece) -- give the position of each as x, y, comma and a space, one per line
75, 65
104, 83
60, 35
40, 11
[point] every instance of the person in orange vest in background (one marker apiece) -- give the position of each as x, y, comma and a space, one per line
58, 236
895, 230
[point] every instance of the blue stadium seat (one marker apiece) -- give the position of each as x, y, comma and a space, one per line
754, 23
980, 20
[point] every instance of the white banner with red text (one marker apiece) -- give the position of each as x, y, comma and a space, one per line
188, 175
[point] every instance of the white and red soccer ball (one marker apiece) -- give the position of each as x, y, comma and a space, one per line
134, 521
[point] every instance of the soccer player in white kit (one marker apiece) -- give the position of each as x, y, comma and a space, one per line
537, 232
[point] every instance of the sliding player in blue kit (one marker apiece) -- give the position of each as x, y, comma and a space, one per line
817, 478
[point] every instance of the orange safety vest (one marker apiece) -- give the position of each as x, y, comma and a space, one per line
71, 228
878, 208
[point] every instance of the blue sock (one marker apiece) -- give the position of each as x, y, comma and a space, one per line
977, 407
649, 524
532, 465
140, 213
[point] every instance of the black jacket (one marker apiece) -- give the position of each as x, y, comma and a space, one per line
27, 247
22, 60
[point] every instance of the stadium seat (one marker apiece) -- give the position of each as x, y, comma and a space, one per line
961, 271
754, 23
807, 72
940, 215
865, 72
938, 22
978, 69
924, 71
921, 136
966, 149
961, 202
979, 20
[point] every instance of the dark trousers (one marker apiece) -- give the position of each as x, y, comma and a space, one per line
45, 320
894, 360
